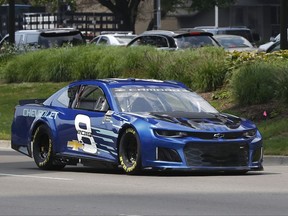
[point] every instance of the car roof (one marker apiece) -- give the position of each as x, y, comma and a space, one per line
159, 32
117, 33
228, 36
222, 28
176, 33
116, 82
47, 30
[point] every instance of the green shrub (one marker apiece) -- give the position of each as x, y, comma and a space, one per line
211, 69
281, 80
254, 83
202, 69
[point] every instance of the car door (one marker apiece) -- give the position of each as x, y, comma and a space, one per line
104, 40
85, 128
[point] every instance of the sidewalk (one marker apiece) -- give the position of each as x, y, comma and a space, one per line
269, 160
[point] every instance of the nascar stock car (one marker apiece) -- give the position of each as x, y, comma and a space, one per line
134, 124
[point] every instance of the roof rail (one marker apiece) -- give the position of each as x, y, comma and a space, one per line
117, 32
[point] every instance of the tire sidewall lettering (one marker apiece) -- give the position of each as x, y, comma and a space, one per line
127, 169
49, 154
47, 159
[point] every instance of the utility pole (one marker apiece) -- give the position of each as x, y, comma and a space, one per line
59, 17
157, 14
216, 16
283, 25
11, 23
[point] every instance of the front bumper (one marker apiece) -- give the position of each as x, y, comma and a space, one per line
223, 155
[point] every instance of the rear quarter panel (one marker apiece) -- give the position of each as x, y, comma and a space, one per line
26, 118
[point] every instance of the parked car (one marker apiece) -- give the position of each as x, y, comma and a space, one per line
137, 124
241, 31
275, 46
235, 43
174, 40
113, 38
46, 38
4, 40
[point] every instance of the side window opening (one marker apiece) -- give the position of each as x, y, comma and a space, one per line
91, 98
68, 96
103, 40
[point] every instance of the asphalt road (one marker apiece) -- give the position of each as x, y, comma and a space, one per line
26, 190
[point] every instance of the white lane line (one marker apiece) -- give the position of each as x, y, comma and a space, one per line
37, 177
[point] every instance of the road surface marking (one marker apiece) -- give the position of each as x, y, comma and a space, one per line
31, 176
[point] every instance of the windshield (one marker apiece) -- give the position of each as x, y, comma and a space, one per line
124, 39
244, 33
193, 41
159, 99
47, 40
233, 42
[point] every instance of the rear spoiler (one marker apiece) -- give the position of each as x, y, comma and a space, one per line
31, 101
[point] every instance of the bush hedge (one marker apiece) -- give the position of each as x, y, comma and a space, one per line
260, 78
253, 77
202, 69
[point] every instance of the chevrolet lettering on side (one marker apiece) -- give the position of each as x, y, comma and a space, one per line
135, 124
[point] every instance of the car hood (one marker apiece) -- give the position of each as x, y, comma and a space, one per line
242, 49
266, 46
198, 121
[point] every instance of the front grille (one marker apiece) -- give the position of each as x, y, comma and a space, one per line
211, 135
217, 154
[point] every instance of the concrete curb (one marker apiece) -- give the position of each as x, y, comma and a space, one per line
5, 144
269, 160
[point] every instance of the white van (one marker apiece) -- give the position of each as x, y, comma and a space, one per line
46, 38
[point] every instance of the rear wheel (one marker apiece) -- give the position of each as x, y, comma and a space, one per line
129, 152
43, 150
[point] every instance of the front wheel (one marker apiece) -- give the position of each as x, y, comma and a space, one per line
130, 152
43, 150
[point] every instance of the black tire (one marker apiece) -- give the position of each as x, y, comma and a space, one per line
130, 152
43, 150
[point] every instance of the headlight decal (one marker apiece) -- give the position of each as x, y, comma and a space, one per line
170, 134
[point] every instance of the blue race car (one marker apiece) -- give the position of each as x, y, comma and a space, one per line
136, 124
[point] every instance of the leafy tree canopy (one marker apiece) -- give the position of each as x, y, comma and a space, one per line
53, 4
127, 10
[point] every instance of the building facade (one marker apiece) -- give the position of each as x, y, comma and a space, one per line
261, 16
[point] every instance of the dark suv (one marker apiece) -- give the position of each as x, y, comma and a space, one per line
174, 40
46, 38
241, 31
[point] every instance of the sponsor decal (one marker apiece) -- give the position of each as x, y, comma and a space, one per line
75, 145
85, 141
39, 113
151, 90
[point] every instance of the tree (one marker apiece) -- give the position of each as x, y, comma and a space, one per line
11, 26
283, 27
127, 10
53, 4
124, 10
